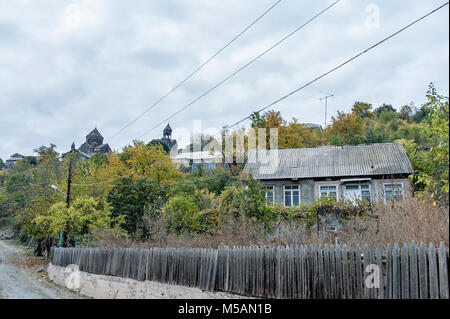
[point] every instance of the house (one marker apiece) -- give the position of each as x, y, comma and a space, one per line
10, 162
376, 172
193, 160
93, 145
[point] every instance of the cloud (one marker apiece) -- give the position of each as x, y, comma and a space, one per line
68, 66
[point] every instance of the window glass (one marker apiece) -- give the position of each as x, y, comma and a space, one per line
269, 193
328, 191
351, 187
365, 195
291, 195
393, 191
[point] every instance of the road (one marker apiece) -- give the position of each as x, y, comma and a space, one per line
18, 282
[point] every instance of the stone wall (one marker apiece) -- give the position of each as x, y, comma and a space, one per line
109, 287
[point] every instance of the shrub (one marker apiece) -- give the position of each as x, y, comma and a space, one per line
249, 202
78, 222
195, 213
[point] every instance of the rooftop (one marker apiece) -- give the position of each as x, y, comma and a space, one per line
330, 161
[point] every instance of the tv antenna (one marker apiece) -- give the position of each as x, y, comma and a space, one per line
326, 105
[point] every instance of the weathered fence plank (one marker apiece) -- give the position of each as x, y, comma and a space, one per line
443, 272
277, 272
423, 272
382, 273
413, 272
433, 273
388, 272
405, 272
396, 273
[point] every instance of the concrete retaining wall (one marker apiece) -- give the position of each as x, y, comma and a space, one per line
109, 287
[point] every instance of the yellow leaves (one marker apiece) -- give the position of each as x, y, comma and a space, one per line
78, 220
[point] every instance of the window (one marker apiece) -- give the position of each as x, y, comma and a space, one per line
365, 192
329, 191
291, 195
393, 191
269, 193
357, 191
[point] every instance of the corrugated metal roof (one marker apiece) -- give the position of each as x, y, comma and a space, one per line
330, 161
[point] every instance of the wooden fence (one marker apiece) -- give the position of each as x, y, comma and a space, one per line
329, 272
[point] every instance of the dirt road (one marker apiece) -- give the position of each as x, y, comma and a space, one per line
18, 282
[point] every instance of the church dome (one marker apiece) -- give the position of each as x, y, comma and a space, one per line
94, 137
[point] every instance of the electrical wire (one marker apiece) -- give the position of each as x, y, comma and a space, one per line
195, 71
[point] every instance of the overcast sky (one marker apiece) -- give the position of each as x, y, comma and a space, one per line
68, 66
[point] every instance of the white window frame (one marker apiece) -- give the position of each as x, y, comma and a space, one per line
292, 197
359, 189
393, 183
266, 193
328, 185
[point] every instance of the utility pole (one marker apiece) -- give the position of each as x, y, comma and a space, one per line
69, 182
326, 105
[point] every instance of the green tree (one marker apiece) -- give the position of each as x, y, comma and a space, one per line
385, 108
161, 143
348, 126
191, 213
436, 129
362, 109
78, 222
135, 200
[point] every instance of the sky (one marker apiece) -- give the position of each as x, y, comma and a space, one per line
67, 67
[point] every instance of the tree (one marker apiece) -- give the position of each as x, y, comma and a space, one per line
436, 129
361, 109
2, 164
406, 112
348, 126
46, 151
161, 143
134, 200
81, 219
385, 108
191, 213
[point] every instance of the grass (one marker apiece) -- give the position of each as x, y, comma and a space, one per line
400, 223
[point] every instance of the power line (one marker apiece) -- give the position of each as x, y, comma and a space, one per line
341, 65
241, 68
307, 84
195, 71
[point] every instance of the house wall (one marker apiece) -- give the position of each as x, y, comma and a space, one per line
310, 189
306, 189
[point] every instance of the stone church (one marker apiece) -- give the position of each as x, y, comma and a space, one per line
167, 137
93, 145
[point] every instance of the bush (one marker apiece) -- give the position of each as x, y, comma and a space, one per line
195, 213
250, 202
78, 222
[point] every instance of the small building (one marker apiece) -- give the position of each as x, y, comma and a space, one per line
313, 126
191, 161
376, 172
12, 160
